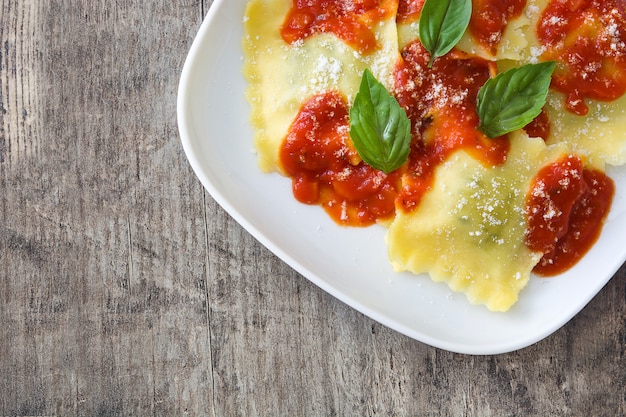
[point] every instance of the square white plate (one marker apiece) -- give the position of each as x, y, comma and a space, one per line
349, 263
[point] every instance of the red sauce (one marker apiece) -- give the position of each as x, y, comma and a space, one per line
490, 18
566, 208
539, 127
552, 195
409, 10
326, 170
440, 101
350, 21
587, 39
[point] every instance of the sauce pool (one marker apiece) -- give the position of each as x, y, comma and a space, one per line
349, 21
490, 18
566, 208
326, 169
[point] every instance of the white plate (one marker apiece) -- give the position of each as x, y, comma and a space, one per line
351, 264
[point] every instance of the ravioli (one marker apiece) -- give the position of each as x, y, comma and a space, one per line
469, 230
281, 77
468, 225
600, 135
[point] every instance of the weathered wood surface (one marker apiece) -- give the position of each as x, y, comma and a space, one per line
126, 290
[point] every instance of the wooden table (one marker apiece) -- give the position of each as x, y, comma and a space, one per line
126, 290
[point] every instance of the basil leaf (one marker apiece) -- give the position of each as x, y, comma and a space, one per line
513, 98
379, 127
442, 24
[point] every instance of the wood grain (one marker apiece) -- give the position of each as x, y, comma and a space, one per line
126, 290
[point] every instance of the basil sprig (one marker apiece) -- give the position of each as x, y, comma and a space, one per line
513, 98
379, 127
442, 24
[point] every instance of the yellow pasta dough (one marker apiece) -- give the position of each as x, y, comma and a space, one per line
600, 135
468, 231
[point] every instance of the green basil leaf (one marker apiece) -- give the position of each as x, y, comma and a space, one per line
442, 24
379, 127
513, 98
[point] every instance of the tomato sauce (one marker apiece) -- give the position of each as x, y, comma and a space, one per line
566, 208
326, 169
587, 39
409, 10
539, 127
350, 21
440, 101
490, 18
